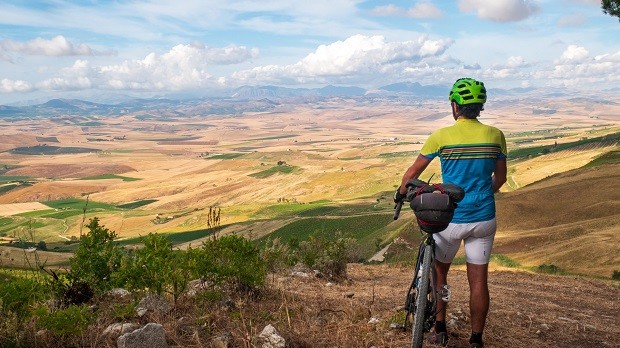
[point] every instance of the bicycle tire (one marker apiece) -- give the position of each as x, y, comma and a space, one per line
421, 300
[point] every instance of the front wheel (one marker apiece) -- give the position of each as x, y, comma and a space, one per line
421, 299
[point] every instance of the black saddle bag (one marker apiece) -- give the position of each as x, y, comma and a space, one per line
434, 206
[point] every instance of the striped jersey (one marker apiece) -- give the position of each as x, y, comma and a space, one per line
468, 151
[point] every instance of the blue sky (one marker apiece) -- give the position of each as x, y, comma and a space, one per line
51, 49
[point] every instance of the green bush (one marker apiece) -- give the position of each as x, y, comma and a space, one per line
66, 322
155, 267
328, 254
96, 257
18, 294
549, 268
230, 259
616, 275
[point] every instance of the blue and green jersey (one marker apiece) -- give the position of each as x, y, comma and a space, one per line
468, 151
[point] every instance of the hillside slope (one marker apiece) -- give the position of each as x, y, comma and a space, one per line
527, 310
570, 220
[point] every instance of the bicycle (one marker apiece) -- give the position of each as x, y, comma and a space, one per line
422, 295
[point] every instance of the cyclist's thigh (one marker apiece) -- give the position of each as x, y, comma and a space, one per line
480, 242
448, 242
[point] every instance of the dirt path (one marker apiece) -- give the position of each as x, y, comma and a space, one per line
527, 310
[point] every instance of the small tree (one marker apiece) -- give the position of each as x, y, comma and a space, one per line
42, 245
96, 258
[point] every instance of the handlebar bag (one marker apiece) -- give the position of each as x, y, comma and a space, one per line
433, 210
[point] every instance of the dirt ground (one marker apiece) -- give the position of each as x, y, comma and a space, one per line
527, 309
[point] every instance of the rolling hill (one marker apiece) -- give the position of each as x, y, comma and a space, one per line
570, 220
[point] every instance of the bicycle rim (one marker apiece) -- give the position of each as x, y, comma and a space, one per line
421, 300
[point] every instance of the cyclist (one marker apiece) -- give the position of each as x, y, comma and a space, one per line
473, 156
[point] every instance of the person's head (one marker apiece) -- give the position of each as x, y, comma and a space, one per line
467, 98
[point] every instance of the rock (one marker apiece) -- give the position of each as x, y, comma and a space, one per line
154, 303
270, 338
118, 292
397, 326
544, 326
373, 320
222, 341
197, 286
152, 335
349, 295
118, 329
300, 274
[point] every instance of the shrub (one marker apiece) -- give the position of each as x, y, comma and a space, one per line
277, 255
19, 294
616, 275
549, 268
96, 258
42, 245
66, 322
230, 259
328, 255
155, 267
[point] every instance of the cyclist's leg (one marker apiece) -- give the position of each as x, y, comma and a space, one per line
478, 252
477, 276
441, 270
447, 243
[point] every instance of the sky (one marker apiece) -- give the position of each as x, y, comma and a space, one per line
90, 48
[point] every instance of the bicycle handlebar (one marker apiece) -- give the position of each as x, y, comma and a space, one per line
412, 186
397, 209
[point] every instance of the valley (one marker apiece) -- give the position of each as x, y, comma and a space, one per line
335, 158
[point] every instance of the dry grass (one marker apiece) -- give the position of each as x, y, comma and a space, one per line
527, 310
571, 220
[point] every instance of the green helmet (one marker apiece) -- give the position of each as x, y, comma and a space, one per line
468, 91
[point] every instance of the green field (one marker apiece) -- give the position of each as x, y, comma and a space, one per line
225, 156
7, 188
50, 150
610, 157
399, 154
136, 204
533, 151
110, 176
79, 204
366, 229
276, 137
286, 169
11, 178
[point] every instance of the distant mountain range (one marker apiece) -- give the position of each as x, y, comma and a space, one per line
258, 98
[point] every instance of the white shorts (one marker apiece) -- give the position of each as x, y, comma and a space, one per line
477, 236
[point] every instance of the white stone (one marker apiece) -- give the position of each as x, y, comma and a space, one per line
270, 338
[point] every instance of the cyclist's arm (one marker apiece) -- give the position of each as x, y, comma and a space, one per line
499, 174
414, 171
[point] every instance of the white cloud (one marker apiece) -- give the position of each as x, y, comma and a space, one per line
576, 68
573, 54
516, 62
58, 46
357, 58
418, 10
9, 86
182, 67
424, 10
500, 10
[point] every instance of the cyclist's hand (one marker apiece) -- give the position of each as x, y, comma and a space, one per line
398, 196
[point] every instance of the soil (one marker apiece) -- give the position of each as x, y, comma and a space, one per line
527, 309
